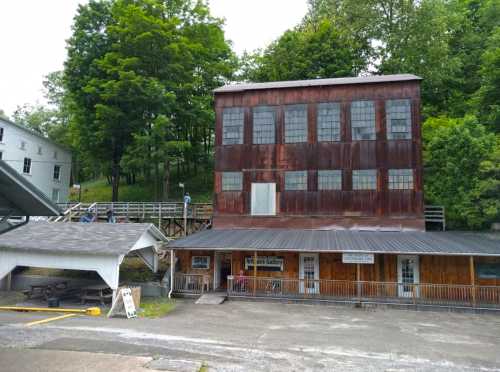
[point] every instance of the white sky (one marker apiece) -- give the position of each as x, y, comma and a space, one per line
33, 35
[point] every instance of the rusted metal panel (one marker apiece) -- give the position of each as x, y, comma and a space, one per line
267, 163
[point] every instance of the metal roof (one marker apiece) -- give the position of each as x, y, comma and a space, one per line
406, 242
373, 79
76, 237
22, 198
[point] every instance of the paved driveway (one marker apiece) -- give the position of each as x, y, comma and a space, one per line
263, 336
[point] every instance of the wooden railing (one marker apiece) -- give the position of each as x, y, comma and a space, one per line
364, 291
140, 210
435, 214
192, 283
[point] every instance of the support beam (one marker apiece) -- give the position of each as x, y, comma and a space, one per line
472, 280
358, 279
255, 273
172, 269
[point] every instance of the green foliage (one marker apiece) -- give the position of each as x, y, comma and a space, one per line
153, 307
462, 171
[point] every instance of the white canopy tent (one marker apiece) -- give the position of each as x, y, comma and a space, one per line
99, 247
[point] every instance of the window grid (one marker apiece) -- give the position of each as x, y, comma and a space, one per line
264, 119
363, 120
27, 166
330, 180
328, 122
296, 124
232, 126
398, 112
296, 180
200, 262
365, 179
232, 181
400, 179
1, 134
57, 172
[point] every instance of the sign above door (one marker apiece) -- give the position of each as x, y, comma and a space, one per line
358, 258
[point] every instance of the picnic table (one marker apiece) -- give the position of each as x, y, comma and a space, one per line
98, 292
45, 290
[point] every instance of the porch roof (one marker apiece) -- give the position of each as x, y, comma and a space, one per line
407, 242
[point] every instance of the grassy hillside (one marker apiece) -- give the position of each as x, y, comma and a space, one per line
199, 186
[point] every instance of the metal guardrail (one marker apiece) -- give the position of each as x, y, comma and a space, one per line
435, 213
365, 291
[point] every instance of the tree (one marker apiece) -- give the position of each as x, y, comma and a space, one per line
462, 171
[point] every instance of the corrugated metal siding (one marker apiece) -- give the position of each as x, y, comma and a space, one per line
448, 243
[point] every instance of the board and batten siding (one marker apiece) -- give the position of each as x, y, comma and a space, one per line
42, 164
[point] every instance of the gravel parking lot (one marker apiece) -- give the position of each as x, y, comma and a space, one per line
261, 336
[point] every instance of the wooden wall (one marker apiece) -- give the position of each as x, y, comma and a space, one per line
267, 163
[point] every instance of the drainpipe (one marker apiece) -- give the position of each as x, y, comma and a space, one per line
171, 273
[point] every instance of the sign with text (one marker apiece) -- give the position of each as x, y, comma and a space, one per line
358, 258
128, 302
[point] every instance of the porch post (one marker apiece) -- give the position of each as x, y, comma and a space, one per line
472, 280
358, 279
255, 273
172, 252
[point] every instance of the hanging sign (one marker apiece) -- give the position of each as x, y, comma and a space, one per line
358, 258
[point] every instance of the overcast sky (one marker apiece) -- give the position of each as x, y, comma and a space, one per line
33, 34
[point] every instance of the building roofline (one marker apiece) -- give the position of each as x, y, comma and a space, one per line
35, 133
372, 79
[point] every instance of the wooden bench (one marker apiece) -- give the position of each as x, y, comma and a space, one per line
99, 292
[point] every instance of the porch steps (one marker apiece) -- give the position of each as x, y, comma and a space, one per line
211, 299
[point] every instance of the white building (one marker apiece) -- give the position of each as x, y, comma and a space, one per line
44, 163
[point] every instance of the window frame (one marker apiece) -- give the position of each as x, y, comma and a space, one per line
256, 111
233, 111
360, 185
2, 134
321, 136
362, 117
231, 187
58, 167
206, 266
389, 104
330, 173
393, 184
27, 164
288, 182
288, 130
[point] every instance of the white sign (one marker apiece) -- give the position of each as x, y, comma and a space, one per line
76, 186
181, 185
358, 258
128, 302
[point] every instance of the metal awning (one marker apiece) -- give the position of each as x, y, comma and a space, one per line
99, 247
405, 242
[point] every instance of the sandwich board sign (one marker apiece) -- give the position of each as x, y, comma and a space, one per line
128, 302
358, 258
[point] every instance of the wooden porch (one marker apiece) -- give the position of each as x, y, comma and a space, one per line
423, 294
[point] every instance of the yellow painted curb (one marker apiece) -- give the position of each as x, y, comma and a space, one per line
94, 311
49, 319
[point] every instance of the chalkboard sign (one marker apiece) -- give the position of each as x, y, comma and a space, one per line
488, 270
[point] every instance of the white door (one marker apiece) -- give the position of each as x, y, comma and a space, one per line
408, 274
263, 199
309, 273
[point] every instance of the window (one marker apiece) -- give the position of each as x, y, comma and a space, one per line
1, 155
295, 123
328, 122
57, 172
200, 262
1, 134
22, 145
263, 199
55, 195
398, 112
364, 179
330, 180
488, 270
264, 125
27, 166
400, 179
55, 154
232, 181
296, 180
363, 120
265, 263
39, 150
232, 126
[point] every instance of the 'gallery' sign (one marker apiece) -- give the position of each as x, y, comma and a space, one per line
358, 258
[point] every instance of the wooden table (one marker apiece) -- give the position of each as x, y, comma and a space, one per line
99, 292
45, 290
